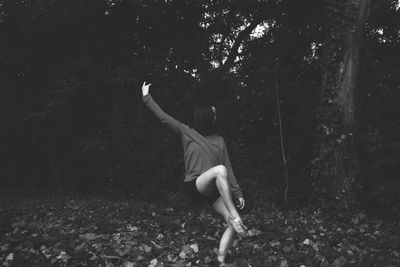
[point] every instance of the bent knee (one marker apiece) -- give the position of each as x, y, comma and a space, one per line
221, 171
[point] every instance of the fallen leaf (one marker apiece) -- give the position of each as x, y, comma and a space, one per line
88, 236
128, 264
140, 258
145, 248
253, 232
160, 236
195, 248
10, 257
131, 228
283, 263
63, 256
287, 249
169, 257
153, 263
182, 255
275, 243
5, 247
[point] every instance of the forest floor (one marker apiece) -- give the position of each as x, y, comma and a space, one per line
99, 232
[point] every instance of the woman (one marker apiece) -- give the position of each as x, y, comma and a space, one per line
209, 175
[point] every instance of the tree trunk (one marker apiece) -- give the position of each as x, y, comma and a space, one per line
336, 164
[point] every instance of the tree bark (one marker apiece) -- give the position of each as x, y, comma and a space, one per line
336, 165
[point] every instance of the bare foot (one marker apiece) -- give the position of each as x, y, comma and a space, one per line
238, 225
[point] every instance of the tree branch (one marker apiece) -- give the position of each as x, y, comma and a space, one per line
285, 160
231, 57
234, 50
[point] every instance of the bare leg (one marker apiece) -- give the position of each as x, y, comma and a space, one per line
216, 178
229, 234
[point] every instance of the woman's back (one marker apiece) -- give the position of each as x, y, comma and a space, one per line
201, 153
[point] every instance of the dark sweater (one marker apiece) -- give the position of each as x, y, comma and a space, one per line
200, 152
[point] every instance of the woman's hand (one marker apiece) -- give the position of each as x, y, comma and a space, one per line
145, 88
241, 203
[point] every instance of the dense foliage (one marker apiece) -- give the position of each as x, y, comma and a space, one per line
72, 119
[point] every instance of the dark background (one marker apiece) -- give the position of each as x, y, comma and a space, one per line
72, 120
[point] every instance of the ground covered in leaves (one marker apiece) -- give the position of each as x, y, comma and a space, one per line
100, 232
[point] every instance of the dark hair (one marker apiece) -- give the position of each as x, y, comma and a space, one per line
203, 120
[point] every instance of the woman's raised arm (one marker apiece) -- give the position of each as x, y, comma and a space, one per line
155, 108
